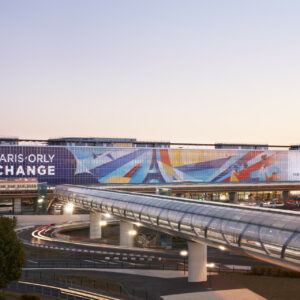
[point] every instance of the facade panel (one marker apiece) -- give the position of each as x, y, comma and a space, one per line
91, 165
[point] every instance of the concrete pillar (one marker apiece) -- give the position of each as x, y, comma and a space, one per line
95, 227
180, 195
197, 261
17, 205
233, 197
126, 239
285, 196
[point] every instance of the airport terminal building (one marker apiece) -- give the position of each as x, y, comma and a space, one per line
107, 161
93, 161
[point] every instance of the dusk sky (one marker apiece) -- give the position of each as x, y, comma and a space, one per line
184, 71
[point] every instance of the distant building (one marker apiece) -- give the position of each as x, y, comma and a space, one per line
294, 147
241, 146
9, 141
105, 142
82, 141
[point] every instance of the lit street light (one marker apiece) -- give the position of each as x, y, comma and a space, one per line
103, 223
40, 200
210, 266
184, 254
69, 208
132, 232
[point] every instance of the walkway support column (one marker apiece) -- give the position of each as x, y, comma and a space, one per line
95, 226
285, 196
17, 205
233, 197
126, 238
197, 261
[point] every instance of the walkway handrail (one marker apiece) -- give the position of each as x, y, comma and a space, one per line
59, 291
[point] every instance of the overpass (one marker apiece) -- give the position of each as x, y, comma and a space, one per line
20, 189
267, 234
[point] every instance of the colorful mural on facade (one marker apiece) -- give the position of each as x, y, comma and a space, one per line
180, 165
91, 165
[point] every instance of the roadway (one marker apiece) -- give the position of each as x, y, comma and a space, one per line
90, 253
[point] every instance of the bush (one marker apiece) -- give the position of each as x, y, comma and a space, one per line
12, 256
257, 270
30, 297
276, 272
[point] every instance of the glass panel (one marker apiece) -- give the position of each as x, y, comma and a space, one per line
186, 220
250, 238
186, 228
274, 236
201, 222
145, 218
164, 223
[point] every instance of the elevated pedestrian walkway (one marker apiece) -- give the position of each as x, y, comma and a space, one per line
267, 234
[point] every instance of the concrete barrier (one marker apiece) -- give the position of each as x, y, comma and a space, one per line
26, 220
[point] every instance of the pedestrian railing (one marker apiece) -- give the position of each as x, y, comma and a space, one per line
111, 264
57, 290
116, 264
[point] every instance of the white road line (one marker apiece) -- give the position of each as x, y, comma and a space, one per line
32, 261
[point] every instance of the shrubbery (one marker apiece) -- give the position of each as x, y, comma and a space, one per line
276, 272
12, 256
30, 297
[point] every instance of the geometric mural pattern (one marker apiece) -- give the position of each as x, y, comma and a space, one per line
91, 165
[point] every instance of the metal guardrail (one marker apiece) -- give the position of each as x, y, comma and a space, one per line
34, 279
57, 290
112, 264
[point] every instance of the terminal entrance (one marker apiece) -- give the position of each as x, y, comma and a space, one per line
28, 196
258, 198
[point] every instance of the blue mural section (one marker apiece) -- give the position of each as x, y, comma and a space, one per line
47, 164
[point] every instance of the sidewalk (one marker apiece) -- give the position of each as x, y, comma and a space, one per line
235, 294
168, 285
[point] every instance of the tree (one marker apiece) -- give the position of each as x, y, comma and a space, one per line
12, 256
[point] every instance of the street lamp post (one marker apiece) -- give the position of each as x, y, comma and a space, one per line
184, 254
210, 266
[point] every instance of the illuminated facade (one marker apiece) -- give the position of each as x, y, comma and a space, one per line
92, 165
